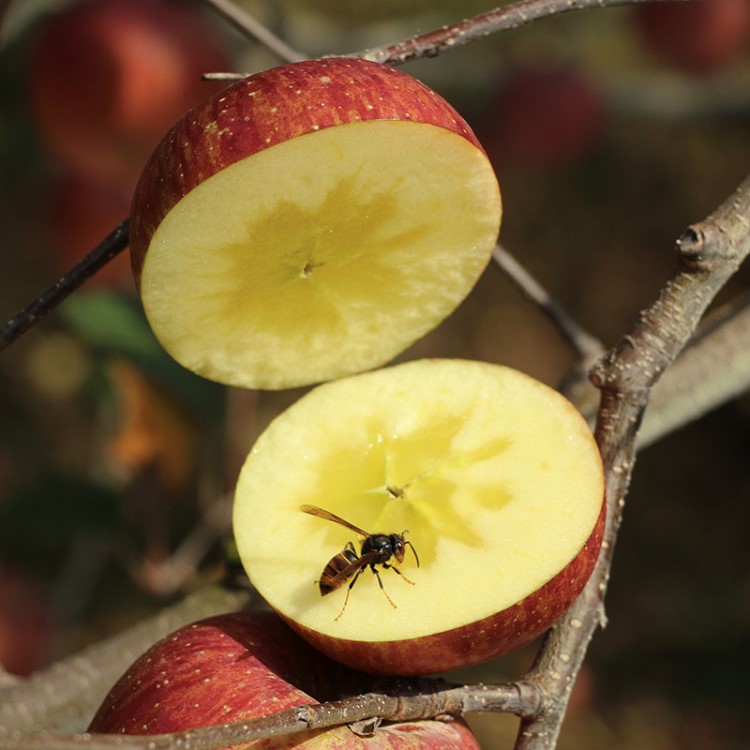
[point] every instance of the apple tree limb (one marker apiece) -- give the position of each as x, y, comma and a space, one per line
709, 253
420, 699
436, 42
513, 16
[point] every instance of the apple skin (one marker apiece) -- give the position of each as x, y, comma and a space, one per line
476, 642
699, 37
107, 79
240, 666
268, 108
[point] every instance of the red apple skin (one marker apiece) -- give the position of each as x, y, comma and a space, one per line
268, 108
476, 642
107, 79
700, 36
241, 666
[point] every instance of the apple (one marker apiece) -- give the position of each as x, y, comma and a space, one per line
700, 36
311, 221
107, 78
241, 666
543, 117
80, 213
26, 623
496, 477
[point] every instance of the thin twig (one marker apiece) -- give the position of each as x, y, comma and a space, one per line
434, 43
583, 344
111, 246
253, 28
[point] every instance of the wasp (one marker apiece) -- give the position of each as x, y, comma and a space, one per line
376, 549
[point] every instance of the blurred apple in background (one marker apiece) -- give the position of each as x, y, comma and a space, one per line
700, 36
542, 117
25, 623
107, 79
81, 212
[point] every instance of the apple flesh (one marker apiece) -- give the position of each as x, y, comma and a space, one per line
496, 476
242, 666
311, 221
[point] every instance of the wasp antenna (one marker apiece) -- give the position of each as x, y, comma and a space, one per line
411, 546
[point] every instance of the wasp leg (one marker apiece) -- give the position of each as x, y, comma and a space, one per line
382, 588
348, 590
396, 570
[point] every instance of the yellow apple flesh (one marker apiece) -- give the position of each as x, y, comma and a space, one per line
310, 221
496, 477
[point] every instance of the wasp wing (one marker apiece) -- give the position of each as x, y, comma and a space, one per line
314, 510
345, 573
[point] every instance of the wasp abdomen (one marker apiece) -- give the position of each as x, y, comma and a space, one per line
329, 580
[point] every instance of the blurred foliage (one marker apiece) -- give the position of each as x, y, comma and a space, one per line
97, 420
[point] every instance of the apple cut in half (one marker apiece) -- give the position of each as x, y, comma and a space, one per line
493, 478
309, 222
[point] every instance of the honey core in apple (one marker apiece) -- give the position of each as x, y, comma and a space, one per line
496, 476
312, 221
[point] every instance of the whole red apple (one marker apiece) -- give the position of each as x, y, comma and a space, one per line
542, 117
241, 666
107, 78
700, 36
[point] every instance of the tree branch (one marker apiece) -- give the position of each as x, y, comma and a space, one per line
409, 701
709, 253
713, 368
434, 43
452, 36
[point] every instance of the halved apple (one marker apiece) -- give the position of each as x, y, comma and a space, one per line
496, 477
310, 221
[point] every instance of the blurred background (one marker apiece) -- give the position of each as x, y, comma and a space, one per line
610, 131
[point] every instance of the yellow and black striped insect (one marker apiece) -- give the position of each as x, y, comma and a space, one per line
376, 549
